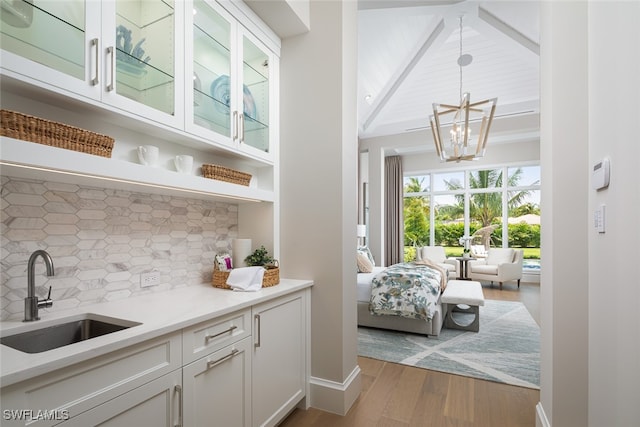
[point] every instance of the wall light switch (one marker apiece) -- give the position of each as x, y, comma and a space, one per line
599, 219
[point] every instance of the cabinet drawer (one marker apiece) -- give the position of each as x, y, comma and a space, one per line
217, 388
207, 337
85, 385
154, 404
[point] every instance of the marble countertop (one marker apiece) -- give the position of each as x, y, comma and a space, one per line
159, 314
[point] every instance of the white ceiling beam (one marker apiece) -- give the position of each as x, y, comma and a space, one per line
432, 39
386, 4
503, 112
507, 30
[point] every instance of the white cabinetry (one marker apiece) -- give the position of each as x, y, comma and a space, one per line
84, 61
154, 404
91, 383
126, 54
279, 358
217, 371
245, 368
231, 97
217, 388
55, 44
143, 45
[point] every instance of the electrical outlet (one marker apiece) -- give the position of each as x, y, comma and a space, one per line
150, 279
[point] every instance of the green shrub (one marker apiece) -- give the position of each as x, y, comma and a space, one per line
409, 253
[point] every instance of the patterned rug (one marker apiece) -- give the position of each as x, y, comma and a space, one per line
506, 350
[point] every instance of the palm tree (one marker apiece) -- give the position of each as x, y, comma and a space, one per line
524, 209
484, 207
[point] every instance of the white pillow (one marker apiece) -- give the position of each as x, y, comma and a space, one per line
499, 256
365, 250
478, 249
364, 264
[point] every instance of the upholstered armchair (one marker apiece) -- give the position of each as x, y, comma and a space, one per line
437, 255
500, 265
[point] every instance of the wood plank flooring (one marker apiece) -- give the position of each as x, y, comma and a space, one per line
395, 395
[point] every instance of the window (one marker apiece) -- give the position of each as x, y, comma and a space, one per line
416, 213
442, 207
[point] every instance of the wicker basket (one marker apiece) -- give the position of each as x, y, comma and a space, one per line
222, 173
271, 277
46, 132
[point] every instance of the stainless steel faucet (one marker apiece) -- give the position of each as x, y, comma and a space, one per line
31, 302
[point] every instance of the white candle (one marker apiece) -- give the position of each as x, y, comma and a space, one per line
240, 249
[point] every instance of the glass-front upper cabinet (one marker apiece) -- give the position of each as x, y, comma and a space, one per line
256, 64
120, 52
212, 77
144, 61
52, 42
228, 98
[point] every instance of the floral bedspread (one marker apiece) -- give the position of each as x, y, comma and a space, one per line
406, 289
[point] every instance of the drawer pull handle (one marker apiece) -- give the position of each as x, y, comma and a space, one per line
210, 337
212, 363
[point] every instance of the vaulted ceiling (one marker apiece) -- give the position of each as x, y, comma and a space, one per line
407, 60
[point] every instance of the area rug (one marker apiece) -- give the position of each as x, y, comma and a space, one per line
506, 349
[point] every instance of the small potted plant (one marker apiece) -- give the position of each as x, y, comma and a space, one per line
261, 257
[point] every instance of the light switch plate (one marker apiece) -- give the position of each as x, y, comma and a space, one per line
599, 219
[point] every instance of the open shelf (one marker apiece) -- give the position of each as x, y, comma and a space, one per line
20, 158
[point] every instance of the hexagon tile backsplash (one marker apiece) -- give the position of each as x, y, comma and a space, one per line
102, 240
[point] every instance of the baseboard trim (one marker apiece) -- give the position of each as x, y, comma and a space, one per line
335, 397
541, 417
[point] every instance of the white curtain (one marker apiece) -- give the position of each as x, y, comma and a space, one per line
394, 223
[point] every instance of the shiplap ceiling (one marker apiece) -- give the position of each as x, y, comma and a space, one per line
407, 60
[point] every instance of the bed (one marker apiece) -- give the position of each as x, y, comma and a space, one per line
395, 322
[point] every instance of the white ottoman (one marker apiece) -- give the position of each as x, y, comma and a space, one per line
462, 296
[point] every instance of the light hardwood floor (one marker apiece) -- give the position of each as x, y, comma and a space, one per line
395, 395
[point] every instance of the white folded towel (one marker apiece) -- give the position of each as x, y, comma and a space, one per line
246, 279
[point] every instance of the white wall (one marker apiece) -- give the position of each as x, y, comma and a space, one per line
614, 117
318, 164
565, 225
590, 356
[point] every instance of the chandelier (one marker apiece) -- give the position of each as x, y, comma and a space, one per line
467, 121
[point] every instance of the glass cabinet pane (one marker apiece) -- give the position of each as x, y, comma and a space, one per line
212, 84
50, 33
145, 57
255, 96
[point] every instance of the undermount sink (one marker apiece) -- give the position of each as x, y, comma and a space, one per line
68, 331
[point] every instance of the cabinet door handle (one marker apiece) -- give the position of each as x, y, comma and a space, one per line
210, 337
112, 56
235, 125
178, 391
212, 363
257, 318
241, 136
94, 44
